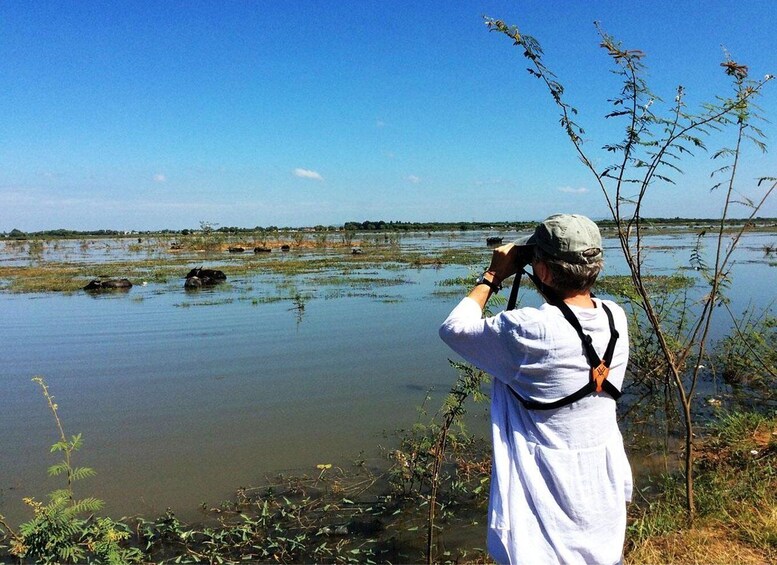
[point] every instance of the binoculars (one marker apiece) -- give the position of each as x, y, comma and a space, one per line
524, 256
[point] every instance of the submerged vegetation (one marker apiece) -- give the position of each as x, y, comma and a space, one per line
57, 268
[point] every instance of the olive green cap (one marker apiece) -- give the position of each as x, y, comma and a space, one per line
570, 237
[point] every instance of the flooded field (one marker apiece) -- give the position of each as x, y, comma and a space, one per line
313, 356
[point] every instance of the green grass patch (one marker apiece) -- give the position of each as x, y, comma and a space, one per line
623, 286
153, 261
462, 282
735, 486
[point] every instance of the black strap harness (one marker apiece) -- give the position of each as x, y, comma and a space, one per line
599, 367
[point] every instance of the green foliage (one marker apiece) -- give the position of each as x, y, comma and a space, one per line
57, 532
441, 454
443, 437
658, 285
736, 487
659, 512
207, 239
64, 529
747, 359
293, 520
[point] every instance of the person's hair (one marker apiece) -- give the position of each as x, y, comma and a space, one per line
569, 277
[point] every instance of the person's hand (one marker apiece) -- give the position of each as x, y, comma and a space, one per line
505, 261
508, 259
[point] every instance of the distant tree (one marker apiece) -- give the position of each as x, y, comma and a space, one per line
207, 227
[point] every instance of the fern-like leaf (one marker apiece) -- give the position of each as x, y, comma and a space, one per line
59, 446
80, 473
58, 469
89, 504
76, 442
59, 496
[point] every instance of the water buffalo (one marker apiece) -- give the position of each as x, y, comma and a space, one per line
194, 282
108, 284
493, 241
236, 249
199, 277
262, 250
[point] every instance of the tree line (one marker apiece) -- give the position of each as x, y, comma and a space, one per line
376, 225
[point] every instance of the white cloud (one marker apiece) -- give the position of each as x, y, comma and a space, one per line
307, 174
414, 179
570, 190
159, 177
495, 182
380, 124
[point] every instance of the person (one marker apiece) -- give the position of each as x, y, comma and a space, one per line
560, 478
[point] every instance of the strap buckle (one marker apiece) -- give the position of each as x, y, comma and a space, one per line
599, 374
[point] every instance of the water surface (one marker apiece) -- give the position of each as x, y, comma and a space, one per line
183, 397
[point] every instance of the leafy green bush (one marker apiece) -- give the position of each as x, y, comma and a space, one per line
64, 529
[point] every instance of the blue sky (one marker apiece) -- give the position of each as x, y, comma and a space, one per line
150, 115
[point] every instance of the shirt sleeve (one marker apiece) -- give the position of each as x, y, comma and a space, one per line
483, 342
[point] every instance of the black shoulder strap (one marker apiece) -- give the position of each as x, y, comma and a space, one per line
590, 352
599, 367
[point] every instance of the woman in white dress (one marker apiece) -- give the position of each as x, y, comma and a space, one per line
560, 479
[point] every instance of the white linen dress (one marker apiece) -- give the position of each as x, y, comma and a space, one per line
560, 480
